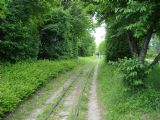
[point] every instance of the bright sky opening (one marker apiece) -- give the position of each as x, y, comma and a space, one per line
99, 32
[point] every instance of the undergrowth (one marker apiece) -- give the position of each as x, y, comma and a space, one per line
20, 80
120, 104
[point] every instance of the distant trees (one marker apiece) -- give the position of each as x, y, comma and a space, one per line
102, 48
33, 28
87, 45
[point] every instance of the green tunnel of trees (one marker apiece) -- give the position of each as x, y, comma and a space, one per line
131, 25
33, 29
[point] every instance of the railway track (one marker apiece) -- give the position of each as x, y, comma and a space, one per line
75, 95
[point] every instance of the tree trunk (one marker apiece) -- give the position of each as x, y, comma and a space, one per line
146, 44
155, 61
132, 43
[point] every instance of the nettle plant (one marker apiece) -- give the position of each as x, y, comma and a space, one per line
134, 72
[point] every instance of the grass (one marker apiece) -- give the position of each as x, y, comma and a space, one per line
39, 98
118, 104
20, 80
83, 108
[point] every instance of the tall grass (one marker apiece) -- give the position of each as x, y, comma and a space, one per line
119, 104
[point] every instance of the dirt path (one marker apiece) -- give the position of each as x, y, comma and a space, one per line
93, 107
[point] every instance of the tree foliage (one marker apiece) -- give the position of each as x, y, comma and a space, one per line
48, 29
102, 47
116, 47
87, 45
137, 19
55, 36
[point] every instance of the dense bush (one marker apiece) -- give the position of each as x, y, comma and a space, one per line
134, 73
55, 36
116, 47
19, 38
24, 24
18, 81
18, 42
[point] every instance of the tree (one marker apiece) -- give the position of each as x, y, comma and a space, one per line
87, 46
81, 24
29, 25
55, 36
19, 35
116, 47
63, 31
135, 18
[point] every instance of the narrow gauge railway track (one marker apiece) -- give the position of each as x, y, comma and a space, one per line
76, 114
64, 92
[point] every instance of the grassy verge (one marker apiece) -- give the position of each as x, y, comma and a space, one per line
121, 105
20, 80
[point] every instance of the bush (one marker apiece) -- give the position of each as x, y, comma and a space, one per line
134, 72
19, 37
18, 81
116, 47
120, 104
87, 45
55, 36
18, 42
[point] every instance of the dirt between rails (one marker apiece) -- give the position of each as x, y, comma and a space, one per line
70, 100
39, 111
94, 111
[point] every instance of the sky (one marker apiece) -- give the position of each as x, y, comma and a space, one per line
99, 32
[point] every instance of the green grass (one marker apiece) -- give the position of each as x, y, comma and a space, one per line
83, 108
20, 80
118, 104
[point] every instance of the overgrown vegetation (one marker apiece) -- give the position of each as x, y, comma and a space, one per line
20, 80
134, 73
119, 104
31, 30
116, 47
34, 29
43, 29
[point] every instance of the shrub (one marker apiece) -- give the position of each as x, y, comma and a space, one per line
55, 36
116, 47
134, 72
18, 81
18, 42
120, 104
